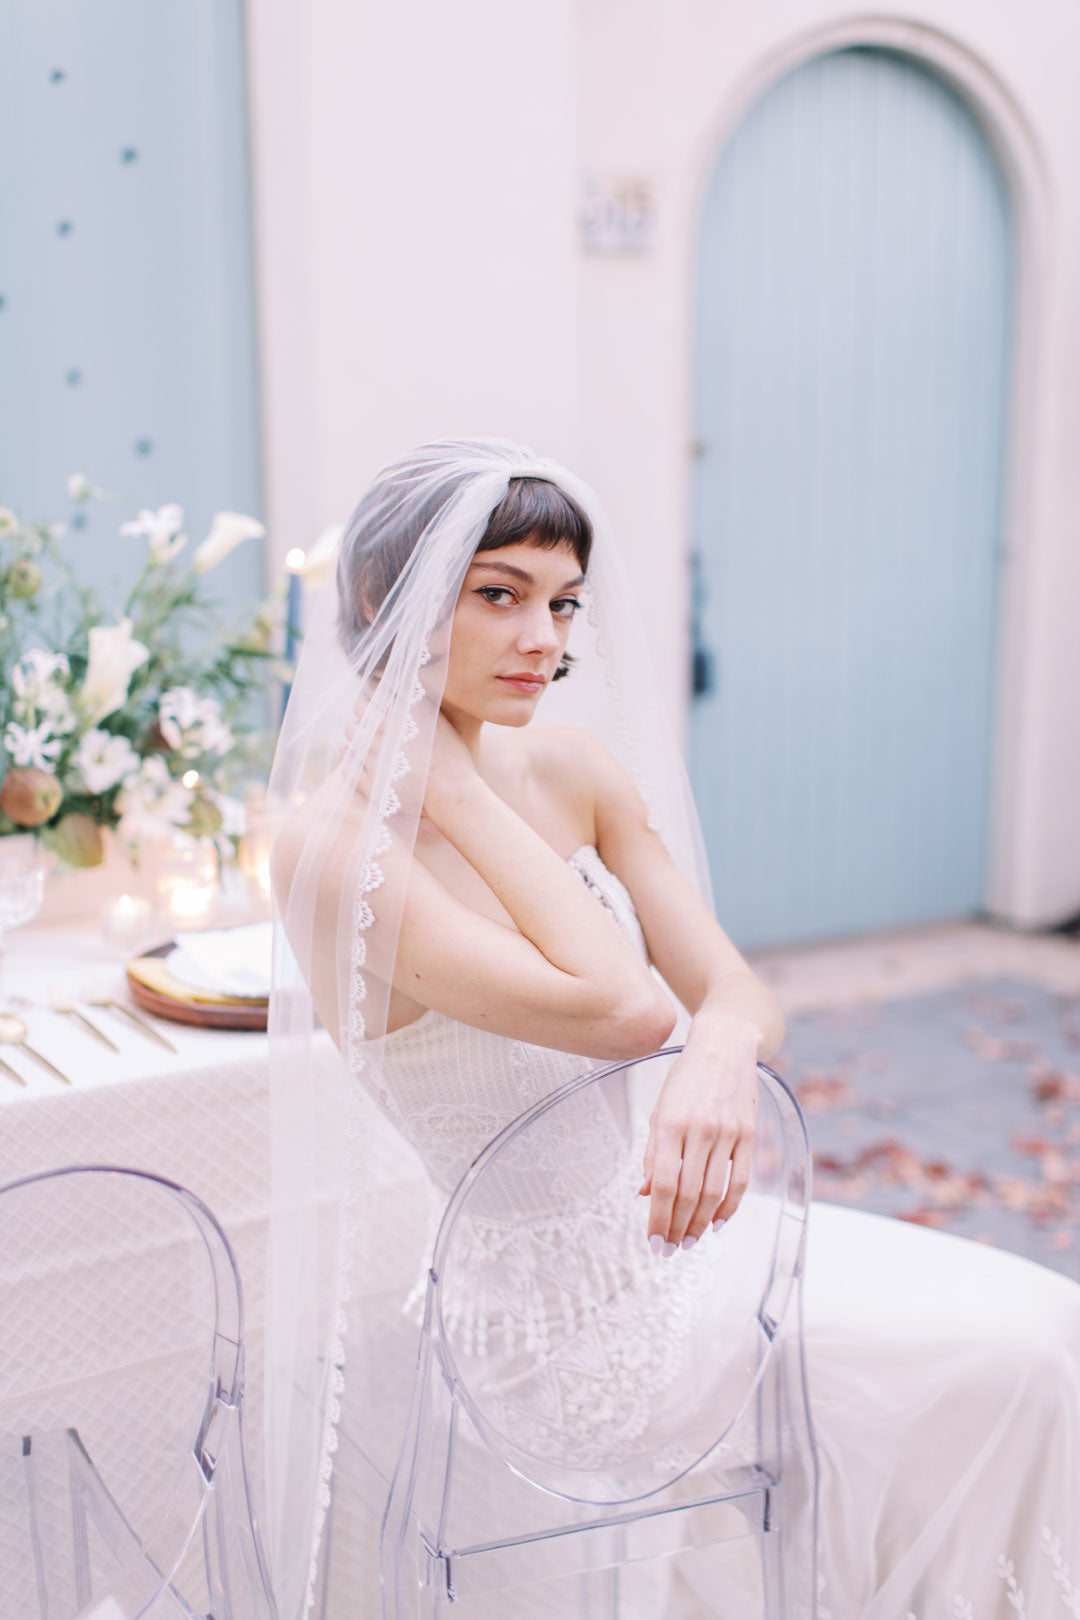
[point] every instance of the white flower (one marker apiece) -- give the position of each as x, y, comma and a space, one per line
80, 488
103, 760
193, 724
233, 813
151, 803
177, 711
227, 530
114, 658
31, 745
8, 520
35, 675
37, 679
321, 558
233, 822
57, 708
161, 529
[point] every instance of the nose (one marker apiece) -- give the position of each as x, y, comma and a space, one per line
540, 633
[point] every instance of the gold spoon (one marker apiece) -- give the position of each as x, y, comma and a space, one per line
61, 1003
13, 1033
140, 1023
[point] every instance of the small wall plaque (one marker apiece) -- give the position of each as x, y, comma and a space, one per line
618, 215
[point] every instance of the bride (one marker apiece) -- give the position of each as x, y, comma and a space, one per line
475, 909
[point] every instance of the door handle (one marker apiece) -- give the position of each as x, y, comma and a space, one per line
702, 672
702, 662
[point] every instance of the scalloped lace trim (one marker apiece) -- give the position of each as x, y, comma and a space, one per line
371, 880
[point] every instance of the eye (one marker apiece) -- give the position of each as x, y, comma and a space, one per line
495, 594
564, 607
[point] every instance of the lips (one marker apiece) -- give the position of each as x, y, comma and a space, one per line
525, 680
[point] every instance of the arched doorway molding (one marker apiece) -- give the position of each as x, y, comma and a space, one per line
1016, 147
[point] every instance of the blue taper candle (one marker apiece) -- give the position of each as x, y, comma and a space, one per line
294, 629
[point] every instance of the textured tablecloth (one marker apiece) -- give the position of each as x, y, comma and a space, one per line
198, 1117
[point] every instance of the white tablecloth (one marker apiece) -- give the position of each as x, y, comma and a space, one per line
199, 1116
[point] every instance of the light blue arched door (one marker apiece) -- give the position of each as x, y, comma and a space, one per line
127, 323
853, 324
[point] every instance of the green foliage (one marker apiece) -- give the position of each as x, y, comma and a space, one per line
146, 723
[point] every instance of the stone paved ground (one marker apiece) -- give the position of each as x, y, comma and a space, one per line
940, 1077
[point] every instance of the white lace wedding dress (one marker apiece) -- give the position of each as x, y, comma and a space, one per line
944, 1375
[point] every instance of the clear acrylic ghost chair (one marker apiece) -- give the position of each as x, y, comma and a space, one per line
584, 1409
123, 1480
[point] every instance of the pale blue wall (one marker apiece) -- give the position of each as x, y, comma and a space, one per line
127, 327
854, 302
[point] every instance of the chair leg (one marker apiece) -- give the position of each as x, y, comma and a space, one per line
772, 1557
599, 1599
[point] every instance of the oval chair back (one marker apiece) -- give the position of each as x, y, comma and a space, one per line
123, 1479
572, 1380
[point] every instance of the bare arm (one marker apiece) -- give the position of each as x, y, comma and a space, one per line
565, 976
697, 1161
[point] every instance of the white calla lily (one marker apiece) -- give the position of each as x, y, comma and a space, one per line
114, 658
227, 531
161, 530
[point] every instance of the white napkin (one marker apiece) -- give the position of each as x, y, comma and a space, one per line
232, 961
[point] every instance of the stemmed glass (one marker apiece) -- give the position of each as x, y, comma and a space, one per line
22, 887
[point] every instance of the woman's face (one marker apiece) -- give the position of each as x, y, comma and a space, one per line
510, 628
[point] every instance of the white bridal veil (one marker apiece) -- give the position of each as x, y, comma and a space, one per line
351, 1221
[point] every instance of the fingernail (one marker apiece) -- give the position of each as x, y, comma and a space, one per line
721, 1220
668, 1250
688, 1241
656, 1243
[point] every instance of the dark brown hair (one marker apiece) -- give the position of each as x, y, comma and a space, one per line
539, 514
533, 510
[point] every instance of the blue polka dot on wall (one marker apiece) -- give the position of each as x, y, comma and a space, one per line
143, 447
63, 227
73, 377
57, 76
129, 154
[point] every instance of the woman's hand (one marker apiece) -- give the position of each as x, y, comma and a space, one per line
701, 1137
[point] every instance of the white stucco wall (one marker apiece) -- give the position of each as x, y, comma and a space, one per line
415, 167
417, 171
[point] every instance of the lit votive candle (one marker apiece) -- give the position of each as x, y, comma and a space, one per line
187, 885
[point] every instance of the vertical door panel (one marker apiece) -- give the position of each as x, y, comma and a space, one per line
126, 324
851, 369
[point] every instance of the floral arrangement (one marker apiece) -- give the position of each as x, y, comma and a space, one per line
143, 724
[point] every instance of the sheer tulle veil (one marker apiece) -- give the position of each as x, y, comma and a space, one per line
350, 1212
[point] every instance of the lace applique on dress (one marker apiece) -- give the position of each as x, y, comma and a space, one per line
592, 1342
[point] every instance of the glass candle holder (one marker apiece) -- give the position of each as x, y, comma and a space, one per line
127, 921
187, 883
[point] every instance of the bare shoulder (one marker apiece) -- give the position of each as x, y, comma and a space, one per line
571, 759
576, 763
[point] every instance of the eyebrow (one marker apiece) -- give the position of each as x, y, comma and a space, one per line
523, 573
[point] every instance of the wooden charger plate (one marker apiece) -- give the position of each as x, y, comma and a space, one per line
205, 1014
